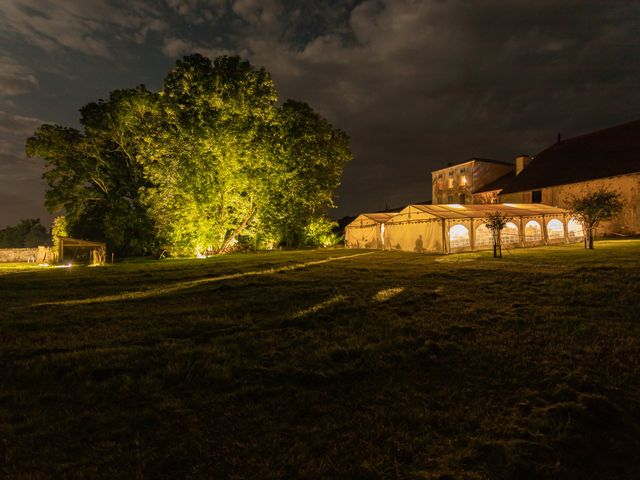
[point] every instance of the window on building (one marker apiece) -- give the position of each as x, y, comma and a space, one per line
536, 196
463, 179
450, 199
462, 199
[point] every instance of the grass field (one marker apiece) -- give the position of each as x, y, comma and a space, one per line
325, 364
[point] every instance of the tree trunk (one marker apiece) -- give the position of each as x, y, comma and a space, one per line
227, 242
497, 248
591, 238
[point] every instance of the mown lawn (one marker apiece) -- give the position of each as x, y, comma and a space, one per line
372, 365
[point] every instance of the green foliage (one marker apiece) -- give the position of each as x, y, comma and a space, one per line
208, 158
207, 161
496, 221
94, 176
27, 233
320, 232
592, 208
310, 158
59, 228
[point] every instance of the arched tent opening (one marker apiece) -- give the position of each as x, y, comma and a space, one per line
459, 237
555, 230
448, 228
510, 235
484, 237
532, 232
574, 230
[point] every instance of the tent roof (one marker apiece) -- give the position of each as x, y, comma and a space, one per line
374, 217
380, 217
604, 153
454, 211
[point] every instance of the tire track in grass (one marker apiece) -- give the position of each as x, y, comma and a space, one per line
192, 283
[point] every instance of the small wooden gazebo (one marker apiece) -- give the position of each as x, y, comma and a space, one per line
74, 248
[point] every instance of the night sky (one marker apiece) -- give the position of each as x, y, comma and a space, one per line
415, 84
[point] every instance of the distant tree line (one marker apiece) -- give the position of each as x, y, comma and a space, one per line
26, 233
207, 163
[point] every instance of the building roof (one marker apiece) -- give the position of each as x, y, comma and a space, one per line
604, 153
456, 211
484, 160
498, 184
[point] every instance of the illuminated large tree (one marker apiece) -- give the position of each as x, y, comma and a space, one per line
209, 156
94, 175
207, 161
310, 157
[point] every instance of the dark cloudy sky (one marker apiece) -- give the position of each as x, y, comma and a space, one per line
416, 84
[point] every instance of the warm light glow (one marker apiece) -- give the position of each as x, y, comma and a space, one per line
456, 205
179, 286
320, 306
532, 231
509, 235
387, 293
574, 229
459, 236
555, 229
450, 182
463, 180
509, 204
484, 236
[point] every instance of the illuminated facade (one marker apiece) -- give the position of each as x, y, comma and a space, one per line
457, 182
577, 166
570, 168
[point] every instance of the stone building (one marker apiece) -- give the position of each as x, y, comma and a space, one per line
608, 158
458, 182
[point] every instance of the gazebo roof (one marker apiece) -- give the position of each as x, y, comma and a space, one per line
76, 242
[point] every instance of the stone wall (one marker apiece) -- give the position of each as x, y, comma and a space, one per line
19, 255
626, 222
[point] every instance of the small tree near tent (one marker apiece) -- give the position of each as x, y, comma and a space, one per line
594, 207
496, 222
58, 229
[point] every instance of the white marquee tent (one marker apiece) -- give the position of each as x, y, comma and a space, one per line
367, 231
459, 228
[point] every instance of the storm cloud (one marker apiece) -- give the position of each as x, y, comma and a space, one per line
416, 84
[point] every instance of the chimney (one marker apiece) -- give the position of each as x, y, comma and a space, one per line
521, 162
559, 137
